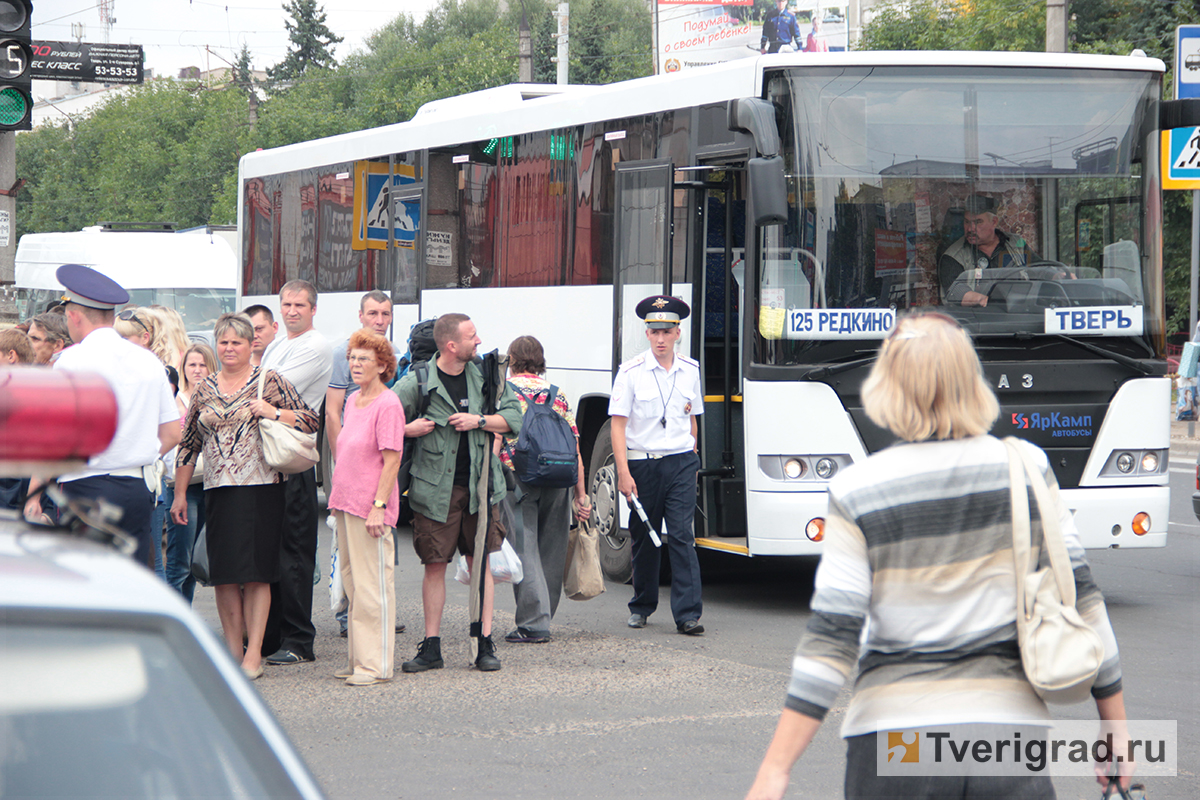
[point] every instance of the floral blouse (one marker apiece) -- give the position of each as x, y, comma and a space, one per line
222, 428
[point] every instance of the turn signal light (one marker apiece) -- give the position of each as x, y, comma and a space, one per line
1141, 523
52, 416
815, 529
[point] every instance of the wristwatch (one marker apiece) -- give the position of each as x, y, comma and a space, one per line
379, 504
482, 420
278, 412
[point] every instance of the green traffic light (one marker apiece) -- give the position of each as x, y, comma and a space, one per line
13, 106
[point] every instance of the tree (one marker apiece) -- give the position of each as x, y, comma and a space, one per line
243, 71
952, 25
310, 39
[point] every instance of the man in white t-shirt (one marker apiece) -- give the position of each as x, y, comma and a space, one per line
305, 358
147, 418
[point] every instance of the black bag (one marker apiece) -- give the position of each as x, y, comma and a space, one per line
421, 368
545, 451
421, 347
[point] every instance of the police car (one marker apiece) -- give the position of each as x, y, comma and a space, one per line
109, 684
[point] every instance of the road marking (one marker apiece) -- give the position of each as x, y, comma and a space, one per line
1182, 471
1183, 525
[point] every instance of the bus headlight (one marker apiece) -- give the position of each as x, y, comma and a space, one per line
825, 468
1125, 462
1128, 463
1150, 462
793, 468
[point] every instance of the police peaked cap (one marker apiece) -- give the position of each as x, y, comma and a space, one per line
662, 311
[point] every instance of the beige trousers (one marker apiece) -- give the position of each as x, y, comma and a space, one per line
368, 576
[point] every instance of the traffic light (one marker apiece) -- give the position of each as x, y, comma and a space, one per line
16, 91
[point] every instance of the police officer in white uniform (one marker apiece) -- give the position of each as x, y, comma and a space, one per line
656, 398
147, 417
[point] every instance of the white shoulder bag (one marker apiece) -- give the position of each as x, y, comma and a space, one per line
1060, 652
284, 448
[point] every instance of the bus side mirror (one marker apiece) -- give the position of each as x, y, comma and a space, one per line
768, 190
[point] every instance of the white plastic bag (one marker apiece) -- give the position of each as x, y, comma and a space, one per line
504, 563
337, 593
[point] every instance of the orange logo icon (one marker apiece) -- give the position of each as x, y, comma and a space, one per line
906, 745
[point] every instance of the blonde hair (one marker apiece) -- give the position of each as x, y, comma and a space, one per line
927, 383
131, 327
171, 339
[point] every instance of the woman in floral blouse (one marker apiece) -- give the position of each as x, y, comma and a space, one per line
243, 495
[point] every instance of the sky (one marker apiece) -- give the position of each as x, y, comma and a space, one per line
176, 33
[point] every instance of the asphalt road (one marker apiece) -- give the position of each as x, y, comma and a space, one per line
603, 711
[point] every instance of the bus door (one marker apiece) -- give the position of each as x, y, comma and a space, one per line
719, 245
642, 252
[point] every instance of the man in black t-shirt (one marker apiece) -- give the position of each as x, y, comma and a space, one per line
452, 437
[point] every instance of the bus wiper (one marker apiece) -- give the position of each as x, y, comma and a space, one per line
835, 369
1120, 358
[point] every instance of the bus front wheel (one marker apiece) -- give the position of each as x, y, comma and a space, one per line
615, 559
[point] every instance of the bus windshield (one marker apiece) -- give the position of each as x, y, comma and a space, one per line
998, 196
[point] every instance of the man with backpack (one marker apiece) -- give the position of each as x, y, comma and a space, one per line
545, 459
453, 435
654, 403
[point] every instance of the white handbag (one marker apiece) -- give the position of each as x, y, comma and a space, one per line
286, 449
1060, 652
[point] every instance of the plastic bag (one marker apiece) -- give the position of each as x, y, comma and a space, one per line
584, 578
504, 564
337, 593
1185, 400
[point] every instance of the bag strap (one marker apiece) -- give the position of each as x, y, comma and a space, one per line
1021, 538
422, 370
1052, 538
262, 379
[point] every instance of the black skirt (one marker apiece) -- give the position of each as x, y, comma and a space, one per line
245, 524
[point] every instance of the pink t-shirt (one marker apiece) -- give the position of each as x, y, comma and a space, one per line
366, 432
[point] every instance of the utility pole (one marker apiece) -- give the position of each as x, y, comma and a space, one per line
8, 206
561, 59
1056, 26
524, 50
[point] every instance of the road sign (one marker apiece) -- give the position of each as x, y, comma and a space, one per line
1187, 61
90, 63
1181, 158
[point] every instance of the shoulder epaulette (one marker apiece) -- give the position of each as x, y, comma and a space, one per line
633, 362
687, 360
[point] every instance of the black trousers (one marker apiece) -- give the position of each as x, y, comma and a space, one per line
667, 491
289, 623
131, 496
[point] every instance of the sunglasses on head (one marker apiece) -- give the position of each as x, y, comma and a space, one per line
130, 315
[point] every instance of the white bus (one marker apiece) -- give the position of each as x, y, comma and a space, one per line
797, 203
192, 271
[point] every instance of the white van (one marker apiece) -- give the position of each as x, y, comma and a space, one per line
192, 271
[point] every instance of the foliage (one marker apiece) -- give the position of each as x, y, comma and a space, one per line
243, 71
310, 40
953, 25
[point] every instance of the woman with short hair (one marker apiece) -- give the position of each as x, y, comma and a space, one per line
918, 542
366, 502
243, 494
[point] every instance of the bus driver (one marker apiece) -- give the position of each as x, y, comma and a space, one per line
983, 247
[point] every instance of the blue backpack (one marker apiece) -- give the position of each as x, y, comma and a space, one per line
545, 451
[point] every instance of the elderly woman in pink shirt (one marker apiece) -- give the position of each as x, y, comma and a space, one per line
366, 502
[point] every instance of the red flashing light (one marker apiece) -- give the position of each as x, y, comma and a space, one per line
53, 416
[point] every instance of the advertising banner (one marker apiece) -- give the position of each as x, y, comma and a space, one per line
696, 33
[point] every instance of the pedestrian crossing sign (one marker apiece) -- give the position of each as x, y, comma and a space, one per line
1181, 158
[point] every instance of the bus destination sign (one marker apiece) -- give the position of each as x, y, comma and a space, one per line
87, 63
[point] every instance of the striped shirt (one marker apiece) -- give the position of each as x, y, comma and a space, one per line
918, 550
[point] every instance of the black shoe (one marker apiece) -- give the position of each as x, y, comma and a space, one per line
636, 621
691, 627
400, 627
524, 637
282, 656
486, 661
344, 633
429, 656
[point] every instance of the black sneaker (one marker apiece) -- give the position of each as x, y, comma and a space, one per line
429, 656
486, 661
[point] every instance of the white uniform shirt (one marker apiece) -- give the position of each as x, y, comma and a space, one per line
144, 401
646, 393
305, 361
